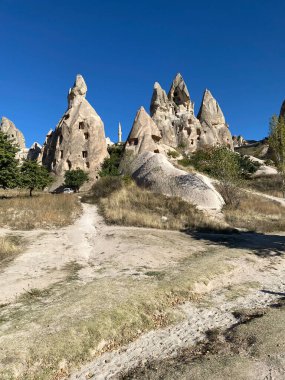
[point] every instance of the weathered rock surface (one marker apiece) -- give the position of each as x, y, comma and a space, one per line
239, 141
155, 172
215, 130
15, 135
175, 118
79, 138
263, 170
144, 135
35, 152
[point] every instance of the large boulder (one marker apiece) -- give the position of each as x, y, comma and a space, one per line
79, 138
156, 173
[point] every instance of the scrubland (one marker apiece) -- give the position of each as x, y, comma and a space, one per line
19, 211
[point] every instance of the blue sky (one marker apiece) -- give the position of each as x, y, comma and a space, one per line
235, 49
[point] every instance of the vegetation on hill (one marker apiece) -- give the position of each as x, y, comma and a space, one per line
122, 202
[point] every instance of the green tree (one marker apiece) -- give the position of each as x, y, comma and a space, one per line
75, 178
9, 165
33, 176
277, 144
227, 166
110, 166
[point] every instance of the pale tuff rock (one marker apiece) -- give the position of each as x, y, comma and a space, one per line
239, 141
215, 130
156, 173
263, 170
109, 142
144, 135
35, 152
175, 118
79, 138
16, 136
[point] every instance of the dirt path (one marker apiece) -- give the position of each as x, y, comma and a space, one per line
217, 312
255, 278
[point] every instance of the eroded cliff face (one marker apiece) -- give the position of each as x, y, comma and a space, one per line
15, 135
175, 118
79, 138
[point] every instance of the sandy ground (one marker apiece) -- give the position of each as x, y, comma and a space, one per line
94, 245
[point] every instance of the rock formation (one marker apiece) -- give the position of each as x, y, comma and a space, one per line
175, 118
156, 173
15, 135
35, 152
144, 135
239, 141
79, 138
215, 130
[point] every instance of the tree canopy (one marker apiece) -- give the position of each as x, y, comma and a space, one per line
75, 178
33, 176
9, 165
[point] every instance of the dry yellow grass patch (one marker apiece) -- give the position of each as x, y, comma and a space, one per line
256, 213
123, 202
39, 211
9, 247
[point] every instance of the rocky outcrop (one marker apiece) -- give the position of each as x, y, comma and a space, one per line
16, 136
215, 130
9, 128
175, 118
79, 138
156, 173
35, 152
239, 141
144, 135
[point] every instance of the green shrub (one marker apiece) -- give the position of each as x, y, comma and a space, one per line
173, 153
110, 166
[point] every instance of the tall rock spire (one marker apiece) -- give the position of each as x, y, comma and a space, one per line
144, 135
78, 92
159, 99
179, 93
215, 130
79, 138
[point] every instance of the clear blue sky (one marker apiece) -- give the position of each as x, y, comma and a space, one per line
236, 49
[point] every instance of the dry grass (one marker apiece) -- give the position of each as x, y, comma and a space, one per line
47, 329
9, 247
127, 204
40, 211
270, 185
256, 213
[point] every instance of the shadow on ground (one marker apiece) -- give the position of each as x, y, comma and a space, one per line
262, 245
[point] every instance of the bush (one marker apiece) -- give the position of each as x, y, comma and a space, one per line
110, 166
173, 153
103, 188
75, 178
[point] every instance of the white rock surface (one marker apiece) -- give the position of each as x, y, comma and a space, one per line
154, 171
79, 138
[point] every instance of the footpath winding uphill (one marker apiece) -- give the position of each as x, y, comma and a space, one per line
244, 271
